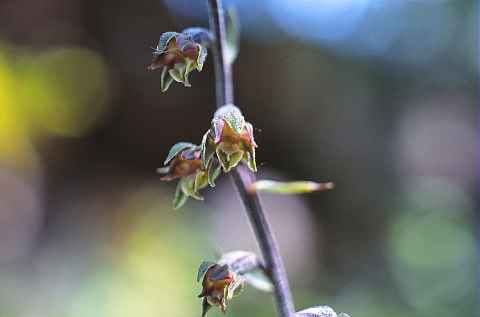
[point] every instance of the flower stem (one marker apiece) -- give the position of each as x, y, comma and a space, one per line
243, 178
223, 69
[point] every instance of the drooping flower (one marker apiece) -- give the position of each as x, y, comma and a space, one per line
230, 139
219, 285
184, 163
226, 278
178, 54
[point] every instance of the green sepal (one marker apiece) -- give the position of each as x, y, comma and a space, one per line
188, 187
239, 290
217, 129
201, 181
205, 307
232, 116
235, 158
236, 287
249, 158
232, 35
229, 161
223, 159
178, 72
176, 149
203, 268
207, 149
249, 128
180, 197
165, 80
214, 170
202, 56
190, 66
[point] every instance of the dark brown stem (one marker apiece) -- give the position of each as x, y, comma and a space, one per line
243, 178
223, 69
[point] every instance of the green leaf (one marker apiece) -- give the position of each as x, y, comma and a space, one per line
176, 149
232, 35
203, 268
232, 116
259, 280
178, 72
180, 197
214, 170
164, 40
165, 80
299, 187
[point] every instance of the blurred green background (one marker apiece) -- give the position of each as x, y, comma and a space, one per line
377, 96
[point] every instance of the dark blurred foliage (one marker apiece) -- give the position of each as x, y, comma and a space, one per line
385, 110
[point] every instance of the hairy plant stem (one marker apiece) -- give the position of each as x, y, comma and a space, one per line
243, 178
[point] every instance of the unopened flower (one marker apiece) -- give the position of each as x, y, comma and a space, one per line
178, 54
219, 285
230, 139
183, 163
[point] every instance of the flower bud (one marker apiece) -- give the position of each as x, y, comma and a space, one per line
178, 54
230, 139
219, 285
183, 162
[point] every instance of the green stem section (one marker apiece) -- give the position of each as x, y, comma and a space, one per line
243, 178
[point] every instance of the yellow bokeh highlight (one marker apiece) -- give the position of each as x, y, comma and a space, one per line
15, 147
60, 91
63, 91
